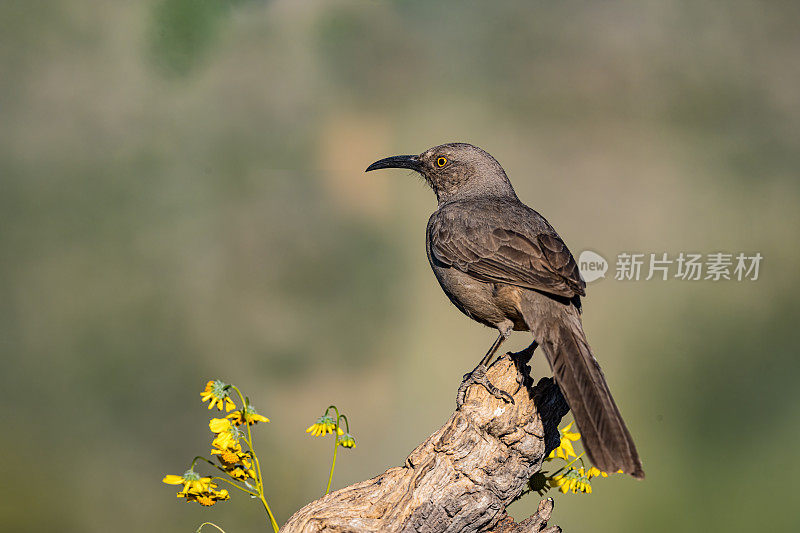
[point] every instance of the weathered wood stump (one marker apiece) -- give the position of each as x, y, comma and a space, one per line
462, 478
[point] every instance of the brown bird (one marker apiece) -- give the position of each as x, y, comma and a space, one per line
502, 264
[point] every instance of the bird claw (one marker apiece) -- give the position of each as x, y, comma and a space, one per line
478, 377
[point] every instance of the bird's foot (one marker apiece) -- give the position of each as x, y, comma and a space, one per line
478, 377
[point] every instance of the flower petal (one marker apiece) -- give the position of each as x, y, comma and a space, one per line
218, 425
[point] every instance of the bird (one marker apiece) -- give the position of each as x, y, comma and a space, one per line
503, 265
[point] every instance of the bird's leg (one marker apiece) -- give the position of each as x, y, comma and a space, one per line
520, 360
478, 374
493, 350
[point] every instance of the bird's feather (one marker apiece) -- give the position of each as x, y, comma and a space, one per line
522, 250
604, 435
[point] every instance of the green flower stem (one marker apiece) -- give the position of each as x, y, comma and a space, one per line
269, 512
567, 465
232, 484
194, 461
209, 462
209, 524
333, 464
249, 439
335, 443
335, 410
259, 480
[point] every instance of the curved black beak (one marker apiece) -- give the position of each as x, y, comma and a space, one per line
411, 162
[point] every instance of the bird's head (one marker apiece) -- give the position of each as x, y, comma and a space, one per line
454, 171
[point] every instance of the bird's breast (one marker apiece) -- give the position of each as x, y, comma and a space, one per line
487, 303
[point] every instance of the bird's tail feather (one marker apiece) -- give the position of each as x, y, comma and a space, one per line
606, 439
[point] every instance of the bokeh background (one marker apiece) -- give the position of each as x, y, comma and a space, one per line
182, 197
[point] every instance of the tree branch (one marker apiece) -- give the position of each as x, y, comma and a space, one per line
462, 478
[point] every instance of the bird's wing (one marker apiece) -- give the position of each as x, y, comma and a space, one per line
505, 252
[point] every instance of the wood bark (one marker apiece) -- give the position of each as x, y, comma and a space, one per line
462, 477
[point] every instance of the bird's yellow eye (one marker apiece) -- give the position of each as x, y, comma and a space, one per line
441, 161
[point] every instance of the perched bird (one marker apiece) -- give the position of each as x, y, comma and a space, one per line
503, 265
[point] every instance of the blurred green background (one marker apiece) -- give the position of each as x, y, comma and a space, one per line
182, 197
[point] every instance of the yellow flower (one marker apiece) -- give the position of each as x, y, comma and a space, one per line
575, 481
228, 435
558, 480
249, 414
217, 395
240, 473
571, 484
323, 426
220, 495
594, 472
197, 489
207, 499
236, 463
231, 456
347, 441
565, 449
192, 482
219, 425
